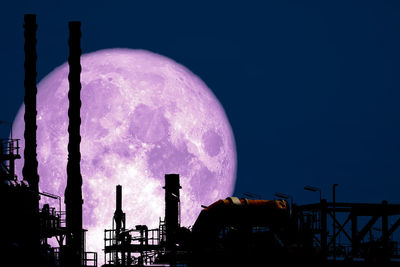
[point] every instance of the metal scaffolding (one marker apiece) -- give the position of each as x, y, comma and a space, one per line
355, 235
137, 246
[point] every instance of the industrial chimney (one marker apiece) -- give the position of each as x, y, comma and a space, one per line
172, 202
73, 191
29, 171
119, 218
119, 215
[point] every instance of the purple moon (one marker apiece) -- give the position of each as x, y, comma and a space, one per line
143, 115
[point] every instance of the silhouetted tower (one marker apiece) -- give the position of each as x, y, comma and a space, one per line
119, 218
29, 171
172, 208
119, 215
73, 191
9, 152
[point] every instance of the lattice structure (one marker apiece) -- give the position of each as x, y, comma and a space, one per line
9, 152
137, 246
52, 224
362, 231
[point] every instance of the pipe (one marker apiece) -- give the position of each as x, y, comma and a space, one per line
29, 171
119, 216
172, 201
73, 191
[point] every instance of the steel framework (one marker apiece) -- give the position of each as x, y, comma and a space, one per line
348, 239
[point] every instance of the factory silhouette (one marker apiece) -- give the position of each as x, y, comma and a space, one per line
229, 232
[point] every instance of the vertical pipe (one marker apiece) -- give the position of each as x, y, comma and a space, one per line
118, 214
119, 198
119, 218
385, 231
73, 191
324, 230
12, 159
172, 201
354, 234
29, 171
172, 187
333, 221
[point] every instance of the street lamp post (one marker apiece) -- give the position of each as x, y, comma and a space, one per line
314, 189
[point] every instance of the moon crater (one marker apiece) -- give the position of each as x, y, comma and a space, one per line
148, 125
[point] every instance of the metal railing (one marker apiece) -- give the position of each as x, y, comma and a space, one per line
9, 146
90, 259
62, 216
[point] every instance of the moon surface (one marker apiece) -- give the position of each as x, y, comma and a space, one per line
143, 116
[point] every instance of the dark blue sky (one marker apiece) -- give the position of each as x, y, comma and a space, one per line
311, 88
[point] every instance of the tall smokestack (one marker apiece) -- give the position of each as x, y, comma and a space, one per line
119, 218
29, 171
119, 215
118, 198
172, 201
73, 191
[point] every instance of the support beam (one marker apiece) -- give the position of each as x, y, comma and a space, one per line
324, 230
341, 228
394, 227
368, 226
354, 233
353, 211
385, 231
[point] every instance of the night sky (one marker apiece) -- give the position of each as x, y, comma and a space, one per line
311, 88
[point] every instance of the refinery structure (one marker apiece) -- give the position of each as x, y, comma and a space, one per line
228, 232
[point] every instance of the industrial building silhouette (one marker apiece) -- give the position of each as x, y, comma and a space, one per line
229, 232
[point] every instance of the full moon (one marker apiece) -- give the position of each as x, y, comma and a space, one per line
143, 116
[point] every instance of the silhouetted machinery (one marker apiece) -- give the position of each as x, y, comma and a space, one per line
140, 245
254, 232
242, 231
229, 232
25, 227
